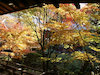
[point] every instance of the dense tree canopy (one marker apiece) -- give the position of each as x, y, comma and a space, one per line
53, 30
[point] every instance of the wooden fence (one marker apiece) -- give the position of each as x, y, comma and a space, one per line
17, 69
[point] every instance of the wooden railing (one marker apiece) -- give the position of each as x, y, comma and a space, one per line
21, 69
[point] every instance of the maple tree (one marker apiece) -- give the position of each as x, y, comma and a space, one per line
60, 29
76, 36
48, 27
18, 39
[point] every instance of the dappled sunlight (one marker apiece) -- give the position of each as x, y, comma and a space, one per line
59, 41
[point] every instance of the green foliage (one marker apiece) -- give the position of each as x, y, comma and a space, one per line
52, 33
32, 60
